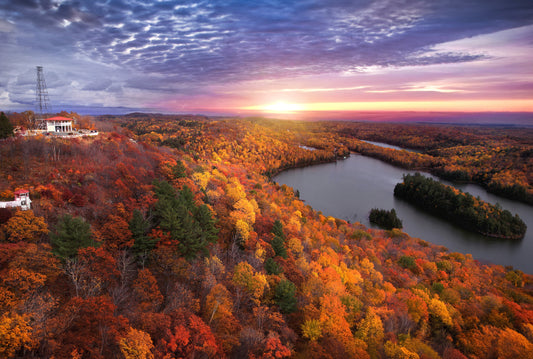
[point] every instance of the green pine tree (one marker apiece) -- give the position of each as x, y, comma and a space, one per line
272, 267
72, 233
179, 170
139, 228
278, 245
6, 129
164, 191
205, 220
277, 229
285, 296
193, 227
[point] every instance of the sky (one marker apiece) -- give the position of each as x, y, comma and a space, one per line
268, 56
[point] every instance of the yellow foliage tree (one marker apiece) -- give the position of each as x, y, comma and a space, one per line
243, 229
295, 223
395, 351
218, 303
234, 190
25, 226
260, 252
328, 257
253, 283
351, 278
439, 310
370, 330
247, 209
311, 329
201, 179
136, 345
219, 176
295, 246
15, 334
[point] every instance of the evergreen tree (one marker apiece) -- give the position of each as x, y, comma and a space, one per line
139, 228
385, 219
179, 170
164, 191
206, 221
6, 129
72, 233
272, 267
277, 229
285, 296
278, 245
193, 227
187, 197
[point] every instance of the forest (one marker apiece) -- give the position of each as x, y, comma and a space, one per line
497, 158
460, 207
164, 237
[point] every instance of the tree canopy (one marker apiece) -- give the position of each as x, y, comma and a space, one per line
6, 128
71, 234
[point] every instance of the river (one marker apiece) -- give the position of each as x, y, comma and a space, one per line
350, 188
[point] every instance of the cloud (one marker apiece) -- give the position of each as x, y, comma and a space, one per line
5, 26
98, 85
195, 44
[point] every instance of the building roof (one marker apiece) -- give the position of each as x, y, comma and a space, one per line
58, 118
20, 191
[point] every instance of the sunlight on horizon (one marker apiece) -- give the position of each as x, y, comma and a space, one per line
520, 105
282, 107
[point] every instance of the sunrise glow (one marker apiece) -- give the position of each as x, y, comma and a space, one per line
460, 106
285, 58
282, 107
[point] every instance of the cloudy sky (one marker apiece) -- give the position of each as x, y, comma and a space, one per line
237, 56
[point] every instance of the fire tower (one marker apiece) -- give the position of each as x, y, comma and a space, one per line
42, 102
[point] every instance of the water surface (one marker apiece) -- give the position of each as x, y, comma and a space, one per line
386, 145
349, 189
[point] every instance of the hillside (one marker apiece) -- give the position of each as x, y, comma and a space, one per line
166, 238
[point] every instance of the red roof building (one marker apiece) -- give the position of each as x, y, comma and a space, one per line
58, 124
22, 200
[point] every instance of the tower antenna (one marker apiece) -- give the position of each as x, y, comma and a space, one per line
42, 99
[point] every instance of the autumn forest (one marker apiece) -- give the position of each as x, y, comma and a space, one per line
166, 237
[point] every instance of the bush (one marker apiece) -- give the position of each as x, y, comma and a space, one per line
407, 262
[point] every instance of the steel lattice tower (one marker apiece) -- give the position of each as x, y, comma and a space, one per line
41, 94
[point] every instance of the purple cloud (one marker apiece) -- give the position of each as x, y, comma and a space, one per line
177, 44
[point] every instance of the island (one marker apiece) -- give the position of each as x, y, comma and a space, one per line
385, 219
459, 207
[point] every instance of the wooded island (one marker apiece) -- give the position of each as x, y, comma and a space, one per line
460, 207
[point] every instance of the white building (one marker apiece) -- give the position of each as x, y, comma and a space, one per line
22, 200
59, 124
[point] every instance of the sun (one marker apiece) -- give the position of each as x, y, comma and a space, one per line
282, 107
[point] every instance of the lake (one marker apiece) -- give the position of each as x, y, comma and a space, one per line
350, 188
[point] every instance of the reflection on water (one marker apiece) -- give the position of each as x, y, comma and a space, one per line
349, 189
386, 145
